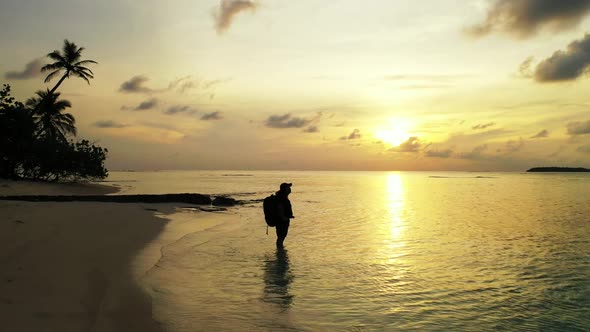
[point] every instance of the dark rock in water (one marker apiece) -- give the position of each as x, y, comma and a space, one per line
197, 199
205, 209
558, 169
224, 201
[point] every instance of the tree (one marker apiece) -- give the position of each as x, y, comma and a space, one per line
17, 134
68, 60
34, 136
52, 123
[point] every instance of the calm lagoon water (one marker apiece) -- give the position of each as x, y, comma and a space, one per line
380, 251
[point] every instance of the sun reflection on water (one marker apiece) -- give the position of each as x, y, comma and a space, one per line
395, 206
391, 275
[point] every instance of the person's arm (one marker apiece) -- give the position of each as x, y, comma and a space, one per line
289, 209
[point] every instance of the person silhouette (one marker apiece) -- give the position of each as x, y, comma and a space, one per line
284, 212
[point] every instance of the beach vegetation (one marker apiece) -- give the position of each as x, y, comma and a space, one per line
37, 138
52, 123
67, 61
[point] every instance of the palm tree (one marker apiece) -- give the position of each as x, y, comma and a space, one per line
51, 122
69, 60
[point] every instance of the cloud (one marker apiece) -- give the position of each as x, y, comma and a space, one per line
584, 149
32, 70
286, 121
476, 153
356, 134
135, 85
524, 18
182, 84
542, 134
439, 153
524, 70
578, 128
412, 144
180, 109
159, 125
227, 11
109, 124
460, 139
143, 106
213, 83
483, 125
513, 146
311, 129
565, 65
147, 105
212, 116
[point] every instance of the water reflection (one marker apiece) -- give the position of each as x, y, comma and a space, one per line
395, 204
277, 279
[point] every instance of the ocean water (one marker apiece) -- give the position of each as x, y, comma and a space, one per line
379, 251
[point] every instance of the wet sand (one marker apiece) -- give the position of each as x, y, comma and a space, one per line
78, 266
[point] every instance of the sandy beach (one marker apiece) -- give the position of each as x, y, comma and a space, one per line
78, 266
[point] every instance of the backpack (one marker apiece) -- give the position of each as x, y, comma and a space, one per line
270, 208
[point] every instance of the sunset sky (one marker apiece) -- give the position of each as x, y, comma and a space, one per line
482, 85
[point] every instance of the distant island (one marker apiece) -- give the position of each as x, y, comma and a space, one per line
558, 169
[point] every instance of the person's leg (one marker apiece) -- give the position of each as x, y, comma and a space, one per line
282, 230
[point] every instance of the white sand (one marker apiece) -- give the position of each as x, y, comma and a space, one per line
78, 266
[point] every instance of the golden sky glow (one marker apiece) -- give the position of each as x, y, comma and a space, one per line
278, 84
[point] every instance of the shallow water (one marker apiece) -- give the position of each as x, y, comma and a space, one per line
381, 251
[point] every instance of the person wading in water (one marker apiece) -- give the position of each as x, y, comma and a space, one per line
284, 213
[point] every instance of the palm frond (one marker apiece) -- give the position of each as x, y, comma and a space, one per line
83, 62
52, 95
82, 76
69, 60
71, 51
51, 66
85, 74
48, 107
32, 102
52, 75
65, 128
85, 70
69, 47
62, 105
56, 55
69, 118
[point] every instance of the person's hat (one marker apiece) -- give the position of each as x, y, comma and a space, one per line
285, 185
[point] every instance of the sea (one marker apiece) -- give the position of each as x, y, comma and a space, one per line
378, 251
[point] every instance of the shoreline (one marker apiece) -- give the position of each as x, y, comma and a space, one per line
27, 187
75, 266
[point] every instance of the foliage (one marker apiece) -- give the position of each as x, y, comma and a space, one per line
51, 122
34, 144
17, 134
68, 60
34, 137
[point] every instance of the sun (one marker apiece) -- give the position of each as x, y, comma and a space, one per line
394, 134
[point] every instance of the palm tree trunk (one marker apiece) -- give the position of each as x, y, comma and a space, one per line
59, 82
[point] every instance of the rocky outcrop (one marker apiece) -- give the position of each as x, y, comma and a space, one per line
224, 201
